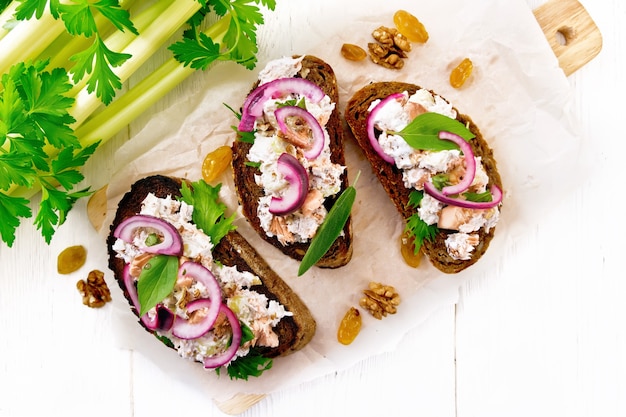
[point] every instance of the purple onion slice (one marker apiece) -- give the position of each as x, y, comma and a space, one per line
171, 243
296, 191
312, 144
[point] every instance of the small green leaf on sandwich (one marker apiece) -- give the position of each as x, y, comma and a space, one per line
423, 132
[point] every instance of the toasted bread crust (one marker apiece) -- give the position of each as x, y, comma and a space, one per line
294, 332
318, 71
391, 177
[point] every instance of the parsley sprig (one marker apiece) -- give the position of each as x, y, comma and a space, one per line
51, 115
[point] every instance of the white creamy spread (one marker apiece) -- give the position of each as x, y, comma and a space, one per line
252, 308
324, 175
420, 166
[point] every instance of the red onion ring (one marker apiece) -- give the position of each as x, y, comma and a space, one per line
298, 187
470, 164
172, 243
314, 146
371, 134
496, 198
223, 358
253, 106
182, 328
185, 329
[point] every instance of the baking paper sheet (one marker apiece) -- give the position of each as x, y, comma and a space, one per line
517, 95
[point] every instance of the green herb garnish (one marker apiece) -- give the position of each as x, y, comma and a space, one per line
208, 212
423, 132
329, 230
156, 281
253, 364
418, 227
69, 49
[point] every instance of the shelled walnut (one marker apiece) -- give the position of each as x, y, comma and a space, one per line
94, 290
390, 47
380, 300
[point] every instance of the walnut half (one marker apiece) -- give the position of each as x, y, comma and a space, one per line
380, 300
94, 290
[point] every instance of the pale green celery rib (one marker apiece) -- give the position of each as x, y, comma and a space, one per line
6, 16
112, 119
141, 48
126, 108
28, 40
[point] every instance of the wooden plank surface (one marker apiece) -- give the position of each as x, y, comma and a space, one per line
515, 345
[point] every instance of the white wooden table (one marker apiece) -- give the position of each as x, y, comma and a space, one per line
516, 345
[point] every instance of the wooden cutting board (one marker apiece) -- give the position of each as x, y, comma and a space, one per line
575, 40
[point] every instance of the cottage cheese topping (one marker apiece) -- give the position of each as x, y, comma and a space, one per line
419, 167
252, 308
324, 175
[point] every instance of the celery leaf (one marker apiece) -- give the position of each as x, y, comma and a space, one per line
208, 212
418, 227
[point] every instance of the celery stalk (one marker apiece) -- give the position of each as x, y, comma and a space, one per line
141, 49
5, 18
28, 40
66, 45
107, 123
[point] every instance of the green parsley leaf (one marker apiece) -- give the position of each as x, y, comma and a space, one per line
416, 226
423, 132
156, 281
197, 53
99, 58
28, 8
208, 211
238, 43
253, 364
11, 210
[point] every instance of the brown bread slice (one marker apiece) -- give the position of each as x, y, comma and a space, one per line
294, 332
318, 71
391, 177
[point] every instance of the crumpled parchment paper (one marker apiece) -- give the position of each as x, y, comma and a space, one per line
517, 95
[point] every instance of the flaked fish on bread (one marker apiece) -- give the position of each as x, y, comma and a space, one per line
288, 159
197, 285
436, 167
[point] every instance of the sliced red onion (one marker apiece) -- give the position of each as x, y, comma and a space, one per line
496, 198
371, 123
172, 243
470, 164
223, 358
185, 329
246, 123
253, 106
162, 320
298, 187
312, 146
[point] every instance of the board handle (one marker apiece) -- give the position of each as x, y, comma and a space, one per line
571, 32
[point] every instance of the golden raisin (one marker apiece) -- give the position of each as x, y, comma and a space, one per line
410, 26
461, 73
353, 52
216, 162
71, 259
349, 327
407, 249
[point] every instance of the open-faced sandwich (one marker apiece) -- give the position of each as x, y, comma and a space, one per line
436, 167
288, 159
197, 284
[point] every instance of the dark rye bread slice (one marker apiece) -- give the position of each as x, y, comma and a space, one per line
340, 253
391, 177
294, 332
